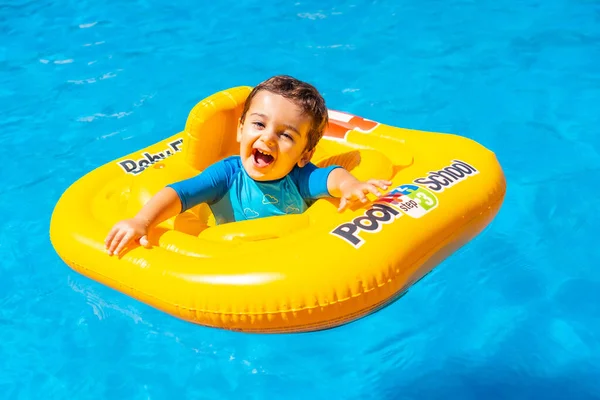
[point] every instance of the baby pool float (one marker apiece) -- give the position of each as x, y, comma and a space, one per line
292, 273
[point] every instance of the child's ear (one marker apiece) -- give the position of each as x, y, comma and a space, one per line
305, 159
239, 130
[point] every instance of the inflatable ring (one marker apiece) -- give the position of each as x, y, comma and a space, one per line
292, 273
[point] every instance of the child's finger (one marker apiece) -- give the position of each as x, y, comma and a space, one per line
373, 189
361, 196
383, 184
110, 236
124, 242
369, 188
144, 241
343, 203
115, 242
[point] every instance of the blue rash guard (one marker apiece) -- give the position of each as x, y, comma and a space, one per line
233, 195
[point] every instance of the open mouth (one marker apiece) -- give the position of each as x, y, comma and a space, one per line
261, 159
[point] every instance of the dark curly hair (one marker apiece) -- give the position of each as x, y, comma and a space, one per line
303, 94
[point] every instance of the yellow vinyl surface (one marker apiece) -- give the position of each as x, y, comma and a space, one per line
289, 273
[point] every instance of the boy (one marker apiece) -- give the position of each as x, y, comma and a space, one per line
282, 122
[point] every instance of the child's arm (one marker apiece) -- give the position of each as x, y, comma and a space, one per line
162, 206
206, 187
344, 185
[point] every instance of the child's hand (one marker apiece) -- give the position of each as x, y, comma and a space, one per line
124, 232
353, 189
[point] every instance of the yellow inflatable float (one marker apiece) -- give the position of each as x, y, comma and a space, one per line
293, 273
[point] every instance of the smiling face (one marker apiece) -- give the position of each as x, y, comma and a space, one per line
273, 137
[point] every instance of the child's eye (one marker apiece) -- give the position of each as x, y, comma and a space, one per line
258, 124
287, 136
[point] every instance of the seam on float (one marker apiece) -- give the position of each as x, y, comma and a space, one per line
361, 293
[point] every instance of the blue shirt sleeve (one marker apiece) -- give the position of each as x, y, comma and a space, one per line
312, 180
208, 186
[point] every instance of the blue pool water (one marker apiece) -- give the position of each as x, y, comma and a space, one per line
515, 314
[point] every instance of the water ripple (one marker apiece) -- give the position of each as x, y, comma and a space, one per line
514, 313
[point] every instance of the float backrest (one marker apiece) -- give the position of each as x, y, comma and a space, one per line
211, 127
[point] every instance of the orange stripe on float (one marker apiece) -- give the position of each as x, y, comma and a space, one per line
336, 130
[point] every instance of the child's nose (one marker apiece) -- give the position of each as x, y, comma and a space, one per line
269, 138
